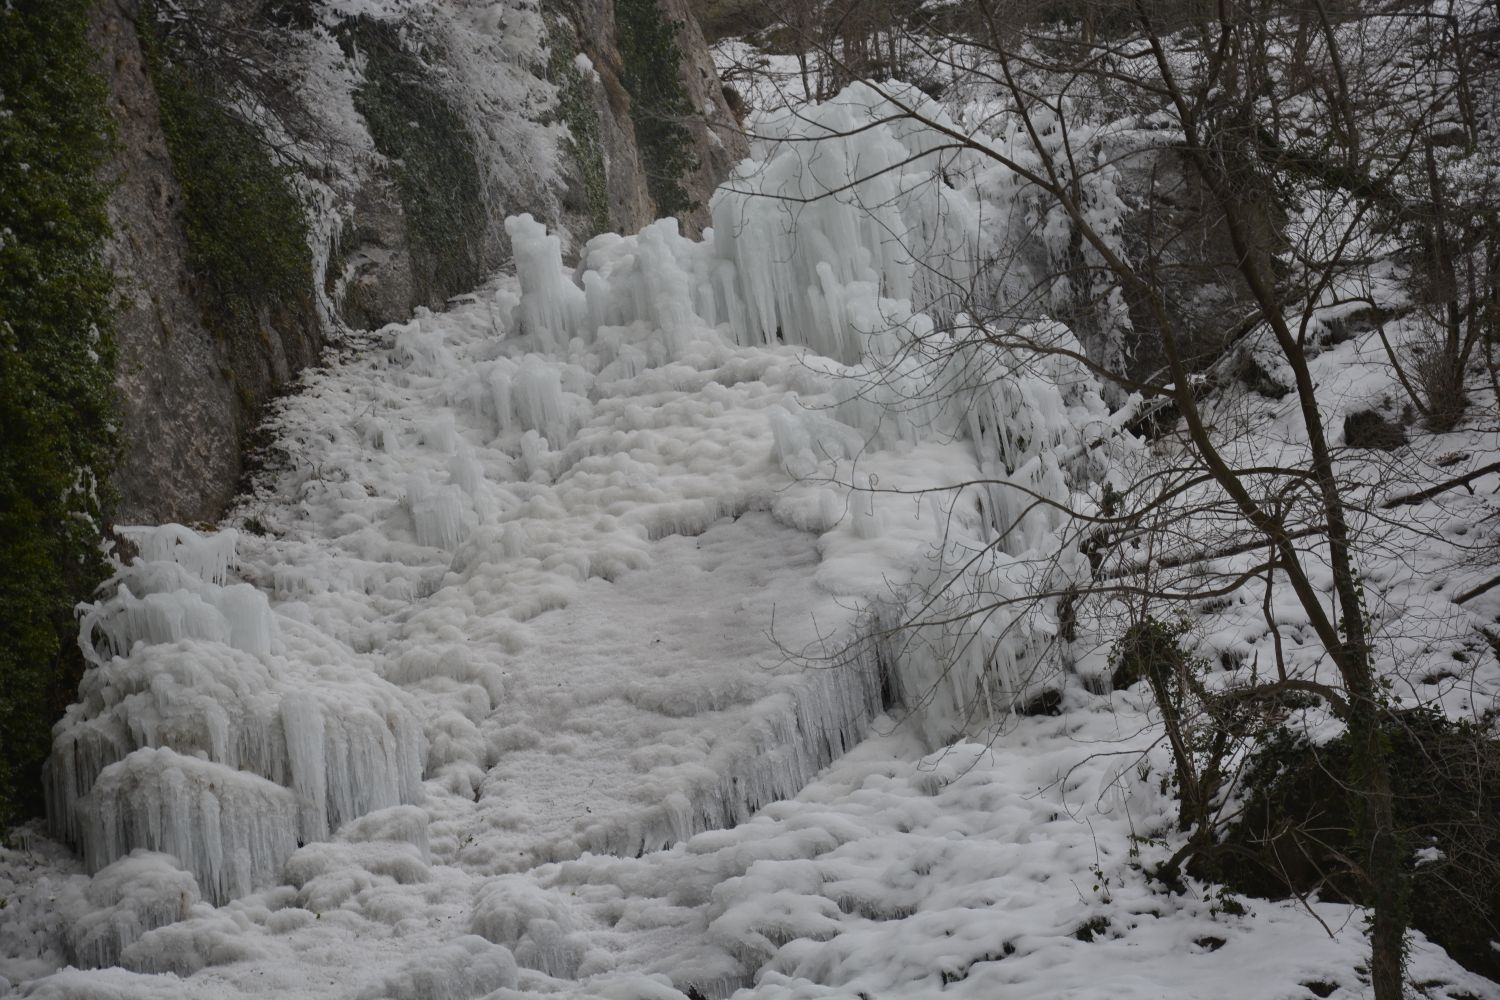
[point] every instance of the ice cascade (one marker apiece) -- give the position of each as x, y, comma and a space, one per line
863, 247
190, 722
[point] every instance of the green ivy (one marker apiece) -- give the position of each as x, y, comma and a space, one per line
56, 371
434, 155
576, 106
246, 228
659, 105
1299, 827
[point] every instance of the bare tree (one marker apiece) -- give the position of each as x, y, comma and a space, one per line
1321, 152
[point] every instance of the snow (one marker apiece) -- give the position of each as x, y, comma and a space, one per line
585, 66
597, 638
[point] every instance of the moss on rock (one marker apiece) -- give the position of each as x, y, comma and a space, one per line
57, 438
1300, 826
246, 228
434, 155
576, 107
659, 104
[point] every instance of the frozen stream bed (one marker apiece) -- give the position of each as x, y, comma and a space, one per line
669, 702
595, 660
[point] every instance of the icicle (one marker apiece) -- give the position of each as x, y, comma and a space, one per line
440, 433
551, 306
538, 395
419, 346
437, 513
346, 743
180, 579
207, 557
231, 829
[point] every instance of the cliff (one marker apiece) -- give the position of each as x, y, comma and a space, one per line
288, 169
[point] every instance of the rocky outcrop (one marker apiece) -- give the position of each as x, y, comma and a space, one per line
1177, 232
186, 396
720, 144
409, 133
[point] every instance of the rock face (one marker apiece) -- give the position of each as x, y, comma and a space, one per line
726, 18
717, 142
721, 144
186, 397
408, 134
1178, 232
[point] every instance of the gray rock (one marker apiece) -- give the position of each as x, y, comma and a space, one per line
189, 397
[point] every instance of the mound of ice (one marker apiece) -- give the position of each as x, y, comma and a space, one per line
230, 829
345, 745
191, 668
398, 824
534, 924
124, 900
178, 588
111, 984
331, 874
469, 967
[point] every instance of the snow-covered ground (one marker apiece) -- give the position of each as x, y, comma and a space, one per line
547, 656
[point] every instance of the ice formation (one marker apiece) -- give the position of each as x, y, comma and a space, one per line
849, 275
468, 968
538, 927
190, 670
230, 828
638, 397
859, 247
123, 901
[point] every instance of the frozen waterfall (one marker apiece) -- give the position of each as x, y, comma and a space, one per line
425, 613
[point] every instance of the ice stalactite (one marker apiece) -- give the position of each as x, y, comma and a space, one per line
208, 558
979, 641
354, 745
818, 235
437, 512
198, 697
553, 311
159, 603
834, 250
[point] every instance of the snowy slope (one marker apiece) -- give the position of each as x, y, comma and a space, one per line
547, 656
